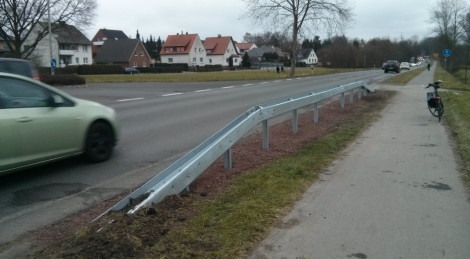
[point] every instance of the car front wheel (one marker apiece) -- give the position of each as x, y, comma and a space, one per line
99, 142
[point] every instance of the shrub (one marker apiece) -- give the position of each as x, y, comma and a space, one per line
100, 69
63, 80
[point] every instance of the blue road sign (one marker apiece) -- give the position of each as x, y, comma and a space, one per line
447, 53
53, 63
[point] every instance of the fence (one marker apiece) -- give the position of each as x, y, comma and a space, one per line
178, 176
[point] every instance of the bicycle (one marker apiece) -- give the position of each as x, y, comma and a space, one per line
435, 104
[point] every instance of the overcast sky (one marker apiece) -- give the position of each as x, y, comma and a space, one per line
372, 18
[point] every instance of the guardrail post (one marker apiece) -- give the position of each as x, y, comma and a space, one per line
315, 112
228, 159
351, 96
265, 135
365, 91
359, 92
295, 121
342, 100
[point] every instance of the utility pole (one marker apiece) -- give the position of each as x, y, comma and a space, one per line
50, 34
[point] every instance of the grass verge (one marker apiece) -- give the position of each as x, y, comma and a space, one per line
227, 225
212, 76
450, 82
457, 113
404, 78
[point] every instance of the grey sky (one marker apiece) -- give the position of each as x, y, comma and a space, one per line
160, 18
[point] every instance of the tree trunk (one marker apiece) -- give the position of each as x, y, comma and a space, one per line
293, 51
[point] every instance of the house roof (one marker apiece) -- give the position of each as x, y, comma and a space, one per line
114, 34
217, 45
304, 52
119, 51
174, 41
67, 34
258, 52
245, 46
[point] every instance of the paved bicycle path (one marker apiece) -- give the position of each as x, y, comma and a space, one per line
396, 193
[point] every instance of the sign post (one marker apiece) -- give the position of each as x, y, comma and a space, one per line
53, 65
446, 53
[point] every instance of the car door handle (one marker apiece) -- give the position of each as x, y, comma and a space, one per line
24, 119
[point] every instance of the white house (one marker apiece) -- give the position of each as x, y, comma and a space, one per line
184, 48
219, 51
308, 56
69, 46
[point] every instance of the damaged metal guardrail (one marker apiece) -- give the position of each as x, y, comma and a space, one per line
185, 170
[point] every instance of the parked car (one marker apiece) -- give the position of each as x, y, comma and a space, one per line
404, 65
392, 65
131, 70
19, 66
40, 124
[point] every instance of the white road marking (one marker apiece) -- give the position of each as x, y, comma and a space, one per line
128, 100
173, 94
247, 85
228, 87
204, 90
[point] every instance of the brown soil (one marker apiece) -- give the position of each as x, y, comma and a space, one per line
247, 154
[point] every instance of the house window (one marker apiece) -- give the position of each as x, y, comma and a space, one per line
201, 60
85, 60
170, 60
167, 49
85, 48
135, 64
135, 53
144, 64
141, 53
209, 51
77, 60
226, 60
210, 61
228, 51
235, 61
194, 60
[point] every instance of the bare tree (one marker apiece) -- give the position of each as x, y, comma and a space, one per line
449, 17
18, 19
299, 17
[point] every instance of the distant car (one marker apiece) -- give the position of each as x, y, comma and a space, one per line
383, 65
404, 65
131, 70
19, 66
392, 65
40, 124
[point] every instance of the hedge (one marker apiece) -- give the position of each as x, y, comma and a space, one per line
63, 80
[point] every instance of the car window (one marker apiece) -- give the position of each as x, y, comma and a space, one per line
15, 67
15, 93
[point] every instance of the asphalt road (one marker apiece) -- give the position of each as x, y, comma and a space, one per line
395, 193
159, 122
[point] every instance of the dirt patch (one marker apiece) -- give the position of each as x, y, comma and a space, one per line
88, 238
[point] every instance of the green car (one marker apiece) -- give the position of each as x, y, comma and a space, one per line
40, 124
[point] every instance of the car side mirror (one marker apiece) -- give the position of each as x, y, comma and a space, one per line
56, 100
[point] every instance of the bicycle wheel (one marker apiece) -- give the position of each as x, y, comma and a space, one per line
434, 110
440, 109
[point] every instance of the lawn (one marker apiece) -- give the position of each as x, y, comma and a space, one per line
212, 76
